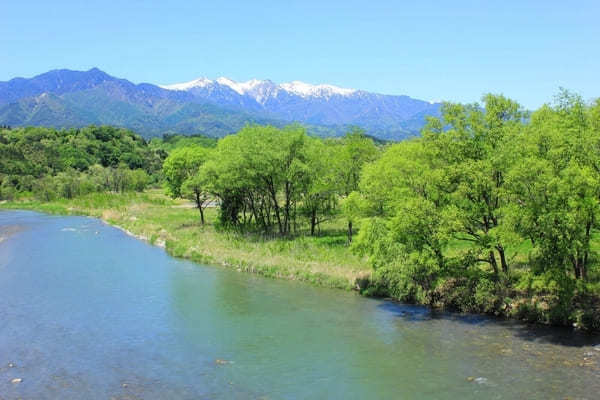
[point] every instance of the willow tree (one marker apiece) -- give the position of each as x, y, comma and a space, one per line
319, 194
261, 171
555, 186
182, 175
448, 186
356, 150
472, 148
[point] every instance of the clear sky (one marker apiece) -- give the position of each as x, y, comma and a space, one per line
433, 50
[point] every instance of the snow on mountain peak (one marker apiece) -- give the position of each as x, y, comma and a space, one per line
308, 90
200, 82
245, 87
262, 90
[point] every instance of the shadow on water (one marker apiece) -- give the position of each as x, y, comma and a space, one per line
411, 313
563, 336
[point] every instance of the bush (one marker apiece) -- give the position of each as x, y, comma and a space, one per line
138, 180
488, 297
44, 189
7, 190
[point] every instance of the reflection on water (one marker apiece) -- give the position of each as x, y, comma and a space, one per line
89, 312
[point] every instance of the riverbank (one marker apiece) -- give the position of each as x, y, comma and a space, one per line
174, 225
324, 260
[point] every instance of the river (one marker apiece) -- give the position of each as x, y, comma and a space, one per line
88, 312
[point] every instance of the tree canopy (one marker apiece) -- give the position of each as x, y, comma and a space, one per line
488, 195
65, 163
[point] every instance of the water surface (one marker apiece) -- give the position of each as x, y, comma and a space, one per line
87, 312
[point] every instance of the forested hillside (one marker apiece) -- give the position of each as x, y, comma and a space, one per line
74, 99
65, 163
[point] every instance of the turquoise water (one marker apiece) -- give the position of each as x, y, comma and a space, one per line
87, 312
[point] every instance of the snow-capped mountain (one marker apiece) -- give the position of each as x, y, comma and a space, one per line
261, 90
307, 90
321, 104
65, 98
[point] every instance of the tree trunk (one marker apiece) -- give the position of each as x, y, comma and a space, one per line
349, 231
493, 263
286, 209
201, 215
313, 221
576, 268
584, 261
503, 262
199, 205
276, 206
579, 267
295, 218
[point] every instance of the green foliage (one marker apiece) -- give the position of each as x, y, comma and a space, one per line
445, 215
168, 143
182, 164
67, 163
274, 180
492, 210
355, 151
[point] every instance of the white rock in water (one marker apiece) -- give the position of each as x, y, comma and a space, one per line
16, 380
481, 380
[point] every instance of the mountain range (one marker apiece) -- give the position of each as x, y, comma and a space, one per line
65, 98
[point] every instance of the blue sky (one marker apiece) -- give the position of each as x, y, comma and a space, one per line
448, 50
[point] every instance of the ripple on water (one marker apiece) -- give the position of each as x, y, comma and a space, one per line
90, 315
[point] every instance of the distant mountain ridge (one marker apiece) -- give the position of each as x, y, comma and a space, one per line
65, 98
313, 104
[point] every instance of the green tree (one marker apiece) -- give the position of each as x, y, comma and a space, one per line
319, 195
182, 164
555, 186
357, 150
196, 188
260, 172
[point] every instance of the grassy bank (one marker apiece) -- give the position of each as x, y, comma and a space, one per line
323, 260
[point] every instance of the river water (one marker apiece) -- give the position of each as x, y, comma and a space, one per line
87, 312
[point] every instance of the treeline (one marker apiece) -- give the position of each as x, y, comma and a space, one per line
491, 210
51, 163
276, 181
169, 142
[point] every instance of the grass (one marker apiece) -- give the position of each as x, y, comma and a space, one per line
324, 260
